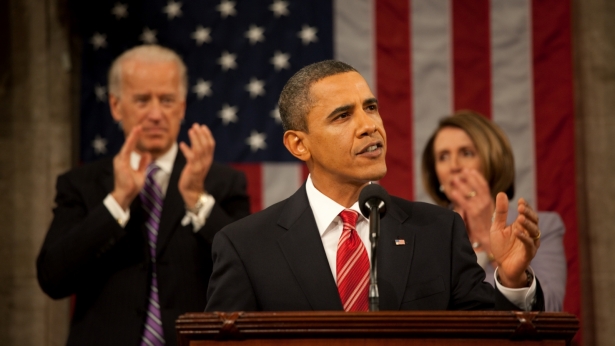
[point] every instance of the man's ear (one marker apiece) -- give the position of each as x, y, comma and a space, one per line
297, 143
114, 105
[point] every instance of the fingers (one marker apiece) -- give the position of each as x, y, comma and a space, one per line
202, 143
470, 191
146, 159
131, 143
530, 243
525, 209
186, 151
527, 221
501, 211
476, 180
469, 183
460, 191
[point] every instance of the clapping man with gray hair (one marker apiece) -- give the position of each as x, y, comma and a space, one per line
131, 236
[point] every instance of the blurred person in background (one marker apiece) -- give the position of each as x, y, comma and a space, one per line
465, 164
131, 235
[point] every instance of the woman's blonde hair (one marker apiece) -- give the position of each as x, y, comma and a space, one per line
494, 152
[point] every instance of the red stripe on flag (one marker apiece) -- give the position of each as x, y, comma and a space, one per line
395, 92
472, 56
254, 176
554, 124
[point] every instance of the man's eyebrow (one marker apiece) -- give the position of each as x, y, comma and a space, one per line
370, 101
340, 109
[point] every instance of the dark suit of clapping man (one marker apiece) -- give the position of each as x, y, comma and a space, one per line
131, 236
292, 256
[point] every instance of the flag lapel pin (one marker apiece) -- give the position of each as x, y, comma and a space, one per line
399, 242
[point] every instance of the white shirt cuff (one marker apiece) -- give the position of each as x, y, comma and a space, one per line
522, 297
198, 219
120, 215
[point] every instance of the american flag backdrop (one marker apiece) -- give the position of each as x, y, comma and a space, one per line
511, 60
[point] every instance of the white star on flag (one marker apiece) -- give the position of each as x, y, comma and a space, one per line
227, 61
98, 41
279, 8
226, 8
275, 114
202, 88
255, 87
280, 60
100, 145
120, 11
201, 35
148, 36
308, 34
101, 93
255, 34
173, 9
228, 114
256, 141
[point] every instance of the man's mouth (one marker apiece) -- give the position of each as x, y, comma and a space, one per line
371, 148
154, 130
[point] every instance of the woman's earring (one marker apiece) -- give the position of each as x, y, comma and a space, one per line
441, 188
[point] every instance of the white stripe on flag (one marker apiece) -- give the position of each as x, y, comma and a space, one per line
512, 87
280, 180
354, 36
431, 75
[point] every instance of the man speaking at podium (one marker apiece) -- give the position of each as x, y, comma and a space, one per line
309, 252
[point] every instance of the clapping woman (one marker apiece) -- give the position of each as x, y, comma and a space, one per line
466, 163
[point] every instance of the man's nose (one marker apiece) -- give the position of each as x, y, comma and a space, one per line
366, 124
155, 110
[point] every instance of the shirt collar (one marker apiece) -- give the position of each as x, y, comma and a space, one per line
164, 162
325, 209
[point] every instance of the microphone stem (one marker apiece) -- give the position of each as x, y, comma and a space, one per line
374, 233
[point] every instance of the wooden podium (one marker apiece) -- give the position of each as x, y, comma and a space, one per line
376, 328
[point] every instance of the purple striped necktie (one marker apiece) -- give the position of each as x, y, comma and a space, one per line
152, 198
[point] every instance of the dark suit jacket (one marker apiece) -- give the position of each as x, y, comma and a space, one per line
274, 260
107, 267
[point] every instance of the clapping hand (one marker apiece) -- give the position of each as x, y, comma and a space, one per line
199, 157
470, 194
128, 182
514, 246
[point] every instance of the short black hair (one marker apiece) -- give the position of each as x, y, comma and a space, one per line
295, 99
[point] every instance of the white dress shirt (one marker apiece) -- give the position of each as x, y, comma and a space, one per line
326, 212
165, 163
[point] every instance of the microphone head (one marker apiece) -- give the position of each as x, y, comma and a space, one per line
374, 195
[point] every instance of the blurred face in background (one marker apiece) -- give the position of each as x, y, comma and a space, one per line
454, 151
151, 96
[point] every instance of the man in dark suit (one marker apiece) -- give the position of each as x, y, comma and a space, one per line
131, 236
295, 254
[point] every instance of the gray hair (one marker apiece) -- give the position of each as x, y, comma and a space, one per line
150, 53
296, 101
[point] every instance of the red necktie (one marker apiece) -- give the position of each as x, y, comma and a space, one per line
352, 265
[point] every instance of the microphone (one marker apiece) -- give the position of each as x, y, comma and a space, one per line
374, 195
373, 202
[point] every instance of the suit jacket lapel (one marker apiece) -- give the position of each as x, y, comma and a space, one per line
305, 254
173, 206
391, 257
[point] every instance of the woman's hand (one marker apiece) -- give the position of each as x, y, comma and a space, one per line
471, 197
